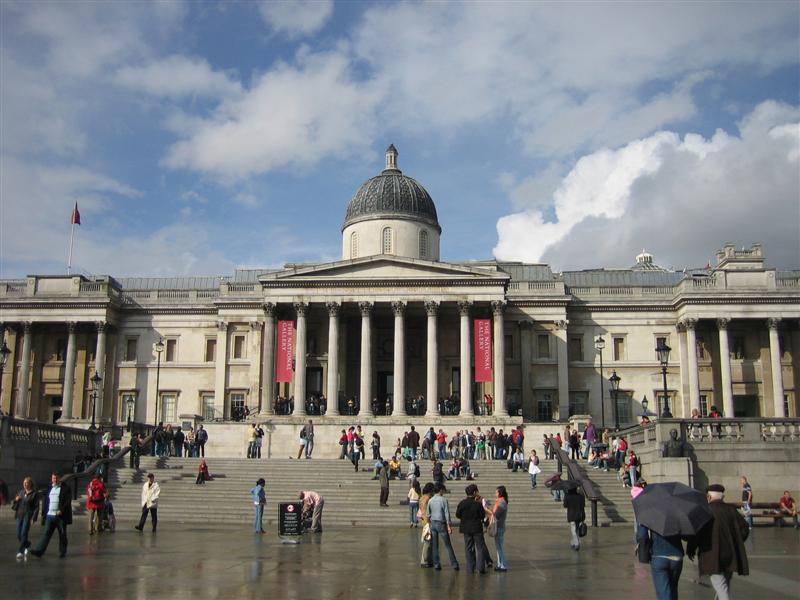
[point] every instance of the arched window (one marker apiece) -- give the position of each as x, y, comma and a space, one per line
387, 240
423, 244
354, 245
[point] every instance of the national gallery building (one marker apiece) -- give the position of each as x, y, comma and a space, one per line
392, 329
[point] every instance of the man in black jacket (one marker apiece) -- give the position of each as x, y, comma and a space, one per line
574, 503
471, 514
413, 442
56, 515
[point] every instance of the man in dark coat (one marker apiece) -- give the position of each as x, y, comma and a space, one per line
56, 515
413, 442
720, 543
575, 504
471, 514
383, 478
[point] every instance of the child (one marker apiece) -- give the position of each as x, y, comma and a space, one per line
107, 519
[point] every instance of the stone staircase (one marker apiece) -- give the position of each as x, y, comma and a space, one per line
614, 505
351, 498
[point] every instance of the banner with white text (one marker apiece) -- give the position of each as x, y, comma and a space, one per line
483, 350
284, 357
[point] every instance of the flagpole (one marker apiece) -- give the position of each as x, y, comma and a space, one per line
71, 238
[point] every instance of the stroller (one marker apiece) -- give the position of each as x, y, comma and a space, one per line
107, 519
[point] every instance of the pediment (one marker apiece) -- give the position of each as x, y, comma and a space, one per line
385, 268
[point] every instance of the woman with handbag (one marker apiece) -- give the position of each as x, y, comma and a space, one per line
426, 560
497, 526
26, 507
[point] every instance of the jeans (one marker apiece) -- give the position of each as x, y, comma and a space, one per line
439, 528
473, 546
721, 582
533, 479
666, 573
259, 516
201, 449
178, 450
413, 507
53, 523
153, 510
23, 527
499, 541
376, 452
556, 495
309, 447
442, 451
575, 541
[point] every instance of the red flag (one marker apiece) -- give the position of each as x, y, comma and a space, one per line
284, 359
76, 216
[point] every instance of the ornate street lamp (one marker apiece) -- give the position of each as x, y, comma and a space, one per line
4, 352
645, 404
129, 404
159, 348
614, 381
662, 351
96, 380
599, 344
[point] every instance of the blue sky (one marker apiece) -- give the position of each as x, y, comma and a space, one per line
200, 137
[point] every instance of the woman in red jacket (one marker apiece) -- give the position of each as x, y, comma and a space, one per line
95, 496
202, 472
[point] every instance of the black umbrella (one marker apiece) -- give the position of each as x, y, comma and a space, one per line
565, 485
672, 509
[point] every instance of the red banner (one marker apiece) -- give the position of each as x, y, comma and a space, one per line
483, 350
284, 357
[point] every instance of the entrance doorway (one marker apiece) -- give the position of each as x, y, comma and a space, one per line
385, 392
54, 408
746, 406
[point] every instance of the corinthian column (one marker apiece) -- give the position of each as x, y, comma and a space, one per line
499, 360
69, 372
268, 365
333, 360
725, 368
465, 366
432, 389
691, 347
300, 360
365, 384
777, 370
23, 407
399, 407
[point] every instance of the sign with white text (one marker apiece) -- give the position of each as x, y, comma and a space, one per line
284, 357
483, 350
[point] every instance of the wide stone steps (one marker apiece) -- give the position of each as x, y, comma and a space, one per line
350, 498
615, 499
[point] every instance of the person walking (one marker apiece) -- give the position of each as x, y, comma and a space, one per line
259, 440
251, 442
56, 516
150, 493
259, 497
471, 513
438, 513
413, 442
533, 468
26, 509
414, 493
425, 559
666, 561
95, 497
376, 445
383, 479
314, 502
574, 503
499, 512
719, 545
747, 501
309, 438
135, 450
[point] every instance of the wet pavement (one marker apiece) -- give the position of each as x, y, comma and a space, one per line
361, 563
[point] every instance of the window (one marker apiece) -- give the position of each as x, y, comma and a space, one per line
208, 407
703, 405
354, 245
508, 346
659, 396
169, 404
127, 406
786, 405
211, 349
544, 405
423, 244
60, 349
237, 405
619, 348
737, 347
172, 350
577, 403
576, 348
387, 240
624, 407
311, 344
131, 345
543, 346
660, 341
702, 348
238, 350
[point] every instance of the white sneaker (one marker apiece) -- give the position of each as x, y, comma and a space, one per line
26, 553
19, 555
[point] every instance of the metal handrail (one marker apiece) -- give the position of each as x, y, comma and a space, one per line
575, 474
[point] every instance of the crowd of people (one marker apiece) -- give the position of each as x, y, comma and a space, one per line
170, 441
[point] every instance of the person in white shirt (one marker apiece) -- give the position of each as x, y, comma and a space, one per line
518, 460
150, 493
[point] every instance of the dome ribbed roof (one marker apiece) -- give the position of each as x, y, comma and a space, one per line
391, 195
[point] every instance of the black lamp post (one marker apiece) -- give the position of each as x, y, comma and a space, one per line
96, 379
159, 348
645, 404
662, 351
129, 403
4, 352
599, 344
614, 381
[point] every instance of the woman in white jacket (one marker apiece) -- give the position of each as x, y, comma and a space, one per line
533, 468
150, 493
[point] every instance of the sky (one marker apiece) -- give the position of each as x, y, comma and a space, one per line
200, 137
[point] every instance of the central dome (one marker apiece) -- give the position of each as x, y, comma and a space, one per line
391, 195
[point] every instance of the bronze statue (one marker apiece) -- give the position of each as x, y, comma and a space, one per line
674, 448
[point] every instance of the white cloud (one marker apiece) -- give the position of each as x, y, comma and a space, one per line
177, 76
679, 198
297, 17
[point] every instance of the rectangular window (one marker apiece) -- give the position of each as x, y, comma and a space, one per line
577, 403
169, 405
702, 348
60, 349
543, 346
660, 341
131, 346
659, 396
624, 407
737, 347
238, 346
703, 405
208, 407
211, 349
619, 348
786, 405
127, 407
172, 350
576, 349
544, 406
237, 405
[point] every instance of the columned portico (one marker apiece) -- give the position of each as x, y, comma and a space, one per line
333, 359
365, 384
399, 406
499, 360
23, 405
69, 371
777, 369
465, 363
691, 355
268, 365
432, 371
725, 368
301, 309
